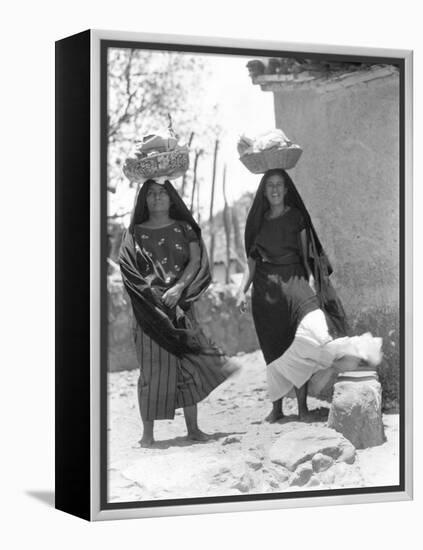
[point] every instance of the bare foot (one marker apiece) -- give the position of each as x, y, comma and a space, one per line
146, 442
274, 416
198, 435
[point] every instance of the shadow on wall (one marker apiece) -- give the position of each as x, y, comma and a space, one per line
383, 322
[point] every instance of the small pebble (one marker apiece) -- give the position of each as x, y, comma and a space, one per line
231, 439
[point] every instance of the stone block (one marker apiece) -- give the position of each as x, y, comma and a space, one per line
356, 409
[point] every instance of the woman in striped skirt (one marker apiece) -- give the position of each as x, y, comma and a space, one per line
165, 269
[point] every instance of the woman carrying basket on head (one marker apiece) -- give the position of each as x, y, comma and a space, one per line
295, 309
165, 269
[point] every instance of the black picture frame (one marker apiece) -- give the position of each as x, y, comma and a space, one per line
81, 282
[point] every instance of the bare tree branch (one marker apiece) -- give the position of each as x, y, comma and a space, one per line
124, 117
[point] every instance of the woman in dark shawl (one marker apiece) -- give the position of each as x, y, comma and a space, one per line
165, 269
299, 320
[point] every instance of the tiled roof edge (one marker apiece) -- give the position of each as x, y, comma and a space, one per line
306, 80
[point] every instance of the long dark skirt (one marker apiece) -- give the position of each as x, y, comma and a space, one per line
167, 383
281, 298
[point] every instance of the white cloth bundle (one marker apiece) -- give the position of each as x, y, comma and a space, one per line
272, 138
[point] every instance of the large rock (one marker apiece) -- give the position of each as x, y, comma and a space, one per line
299, 446
356, 410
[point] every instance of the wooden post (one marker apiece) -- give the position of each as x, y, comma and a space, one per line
239, 248
194, 178
184, 178
227, 227
198, 204
212, 237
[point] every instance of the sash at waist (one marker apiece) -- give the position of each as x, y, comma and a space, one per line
286, 259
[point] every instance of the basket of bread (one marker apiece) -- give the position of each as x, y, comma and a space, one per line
267, 151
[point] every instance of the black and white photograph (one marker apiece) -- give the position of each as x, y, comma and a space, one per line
253, 273
211, 275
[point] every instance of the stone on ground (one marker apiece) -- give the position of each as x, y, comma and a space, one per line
302, 475
321, 462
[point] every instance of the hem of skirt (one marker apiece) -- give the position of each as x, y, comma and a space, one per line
281, 396
273, 399
187, 402
194, 401
294, 386
158, 417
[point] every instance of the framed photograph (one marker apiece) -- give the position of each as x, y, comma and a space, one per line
233, 275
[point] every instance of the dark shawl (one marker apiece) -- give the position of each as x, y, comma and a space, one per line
155, 319
317, 259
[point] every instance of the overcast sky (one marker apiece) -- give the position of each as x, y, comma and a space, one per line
245, 108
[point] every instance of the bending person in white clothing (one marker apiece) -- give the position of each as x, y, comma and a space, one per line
314, 350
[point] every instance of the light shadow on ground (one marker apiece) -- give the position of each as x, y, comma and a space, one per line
183, 441
314, 415
318, 415
46, 497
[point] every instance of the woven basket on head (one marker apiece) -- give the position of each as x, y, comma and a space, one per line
172, 164
259, 163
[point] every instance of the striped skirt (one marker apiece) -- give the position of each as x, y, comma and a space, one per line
167, 383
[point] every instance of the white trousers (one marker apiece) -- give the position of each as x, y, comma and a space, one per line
312, 350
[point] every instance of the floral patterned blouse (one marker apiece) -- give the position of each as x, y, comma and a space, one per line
163, 253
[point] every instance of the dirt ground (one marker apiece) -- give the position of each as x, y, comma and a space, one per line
235, 459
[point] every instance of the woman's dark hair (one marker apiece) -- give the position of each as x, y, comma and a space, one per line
261, 205
149, 182
140, 212
177, 211
289, 198
172, 210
